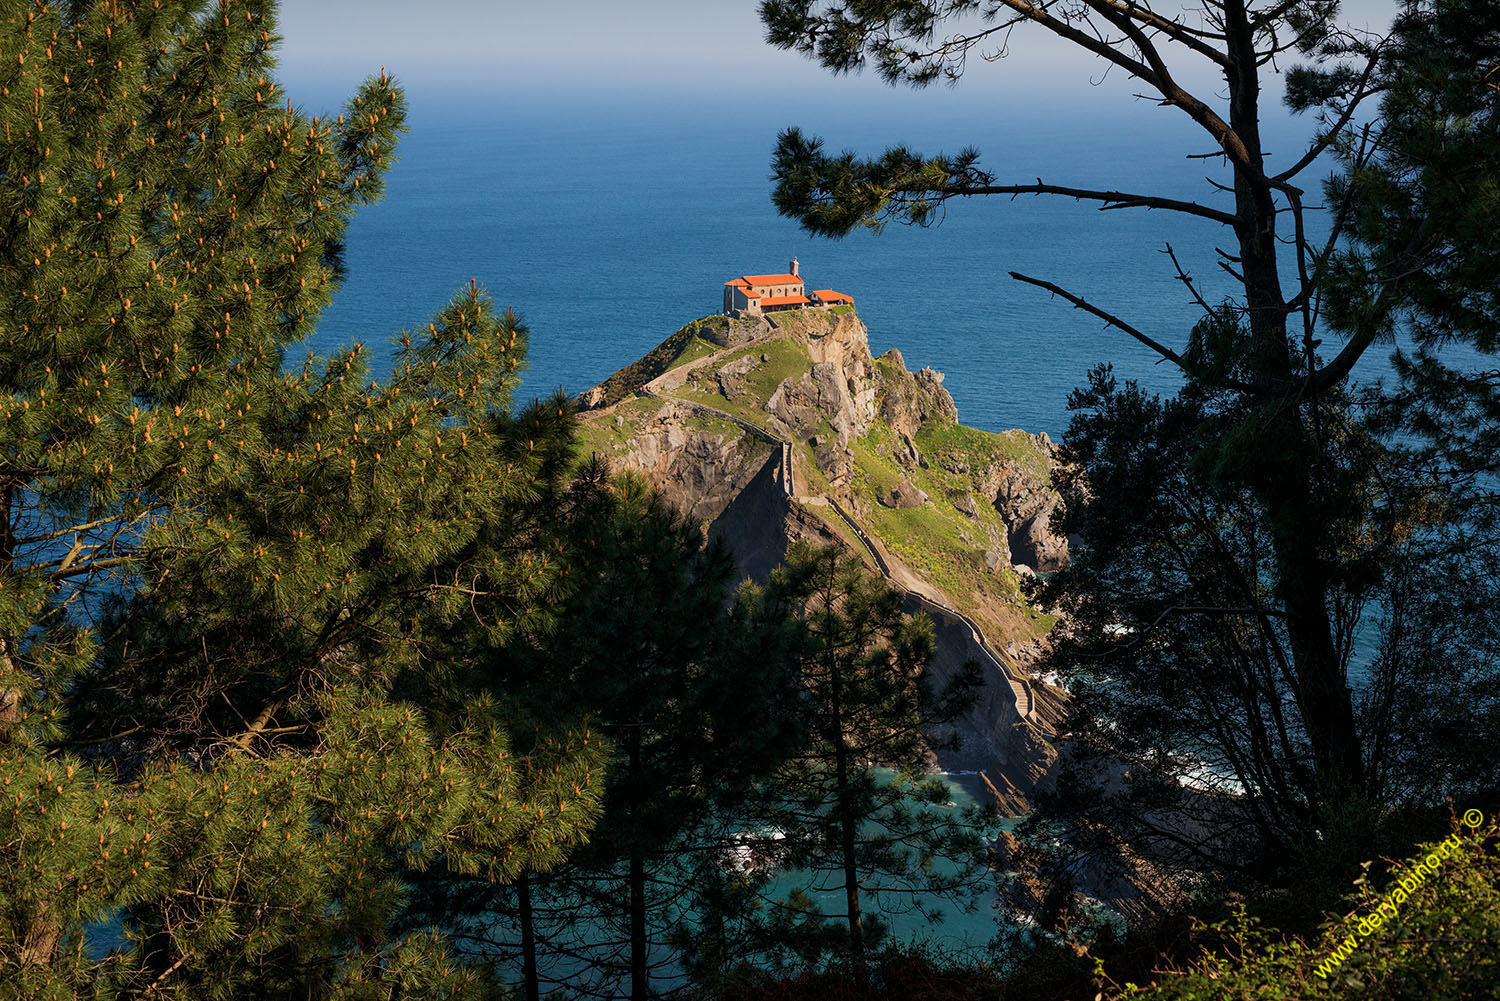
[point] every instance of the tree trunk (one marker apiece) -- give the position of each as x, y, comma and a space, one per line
847, 823
39, 944
11, 695
530, 985
1289, 463
851, 875
639, 984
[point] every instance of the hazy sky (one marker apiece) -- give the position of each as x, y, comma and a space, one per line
694, 46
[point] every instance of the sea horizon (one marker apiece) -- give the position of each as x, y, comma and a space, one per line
610, 222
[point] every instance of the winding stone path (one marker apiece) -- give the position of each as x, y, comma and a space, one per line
1020, 686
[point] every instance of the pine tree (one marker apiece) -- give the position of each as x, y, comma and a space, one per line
218, 574
1245, 541
688, 677
865, 704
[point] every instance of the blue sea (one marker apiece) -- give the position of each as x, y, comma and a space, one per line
609, 221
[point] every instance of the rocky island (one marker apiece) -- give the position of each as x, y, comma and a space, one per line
784, 427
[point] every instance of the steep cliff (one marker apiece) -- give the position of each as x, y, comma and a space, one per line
785, 427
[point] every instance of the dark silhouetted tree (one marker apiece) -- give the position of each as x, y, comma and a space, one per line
856, 809
689, 678
1276, 523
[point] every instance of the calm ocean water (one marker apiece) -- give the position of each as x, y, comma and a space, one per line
611, 221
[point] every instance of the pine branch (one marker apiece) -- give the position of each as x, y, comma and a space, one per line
1112, 199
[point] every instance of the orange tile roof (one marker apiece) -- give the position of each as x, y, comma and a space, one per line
785, 300
737, 281
772, 279
832, 296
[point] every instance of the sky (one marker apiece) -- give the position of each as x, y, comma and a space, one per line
675, 48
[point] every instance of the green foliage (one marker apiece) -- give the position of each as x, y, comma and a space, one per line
1443, 943
865, 699
895, 972
835, 195
900, 36
226, 586
1274, 624
1176, 649
681, 670
1423, 206
689, 680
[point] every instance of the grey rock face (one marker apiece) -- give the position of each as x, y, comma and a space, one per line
904, 495
1036, 545
907, 400
1027, 504
964, 503
731, 378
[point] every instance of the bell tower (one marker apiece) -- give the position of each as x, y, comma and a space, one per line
793, 268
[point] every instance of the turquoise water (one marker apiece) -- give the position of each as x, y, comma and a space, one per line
592, 930
965, 924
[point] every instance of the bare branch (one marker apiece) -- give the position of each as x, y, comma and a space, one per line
1161, 78
85, 527
1303, 300
1114, 321
1178, 32
65, 570
1233, 273
1039, 14
1187, 280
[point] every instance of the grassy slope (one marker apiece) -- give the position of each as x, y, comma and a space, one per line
937, 541
784, 360
609, 433
695, 348
676, 350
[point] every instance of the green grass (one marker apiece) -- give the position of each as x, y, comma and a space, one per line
841, 528
695, 348
601, 433
784, 360
791, 319
936, 540
923, 538
874, 474
939, 439
664, 356
711, 424
813, 481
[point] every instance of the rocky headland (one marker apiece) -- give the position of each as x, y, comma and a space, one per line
785, 427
